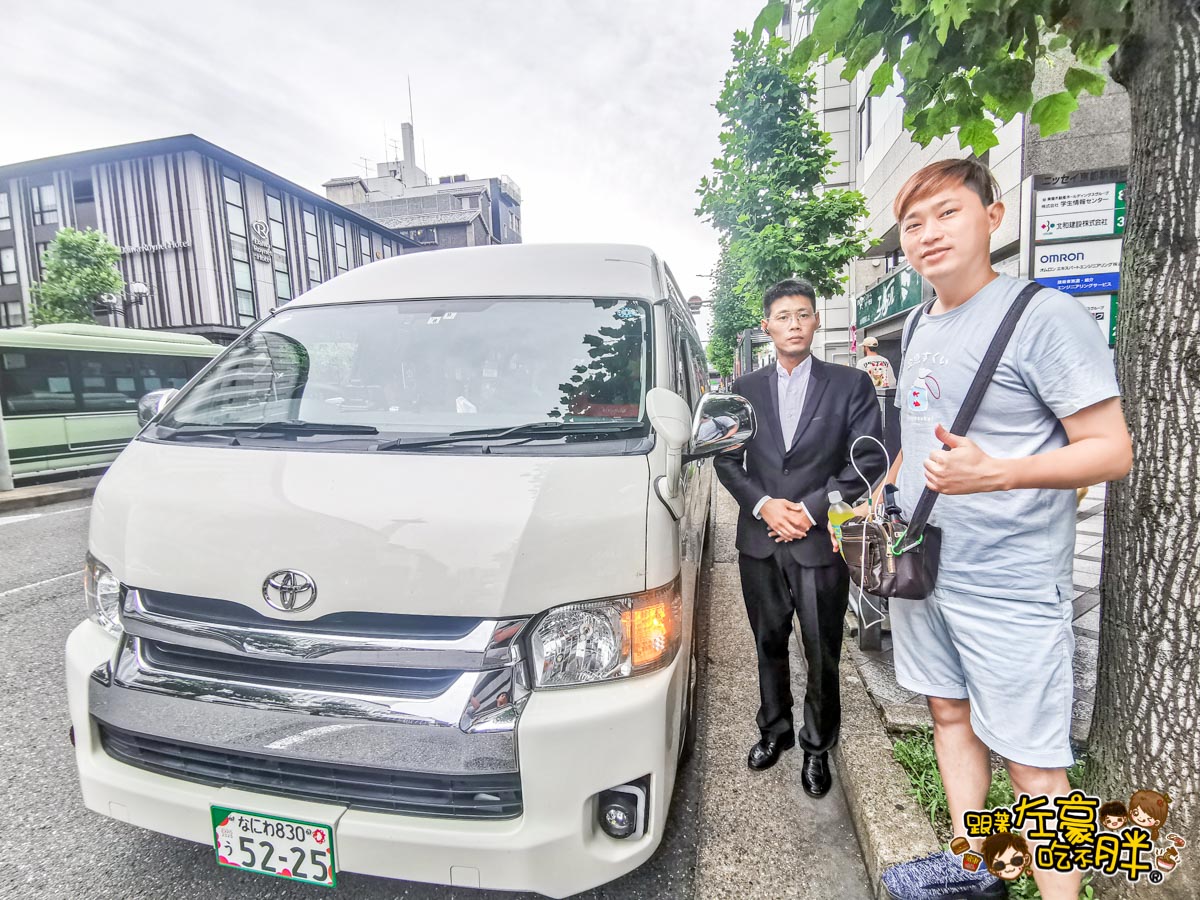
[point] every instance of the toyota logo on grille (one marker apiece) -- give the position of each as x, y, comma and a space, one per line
289, 590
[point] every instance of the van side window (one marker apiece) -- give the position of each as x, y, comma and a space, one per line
683, 379
699, 369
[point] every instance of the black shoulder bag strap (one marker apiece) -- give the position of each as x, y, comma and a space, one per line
970, 406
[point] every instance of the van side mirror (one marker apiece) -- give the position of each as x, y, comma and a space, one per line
671, 419
152, 403
723, 423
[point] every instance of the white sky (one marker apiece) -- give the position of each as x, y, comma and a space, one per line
602, 112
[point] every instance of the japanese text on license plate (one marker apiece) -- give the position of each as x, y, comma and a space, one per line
284, 848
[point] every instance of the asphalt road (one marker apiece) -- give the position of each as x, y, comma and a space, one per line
53, 847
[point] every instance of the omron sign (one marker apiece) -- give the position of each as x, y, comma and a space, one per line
1084, 267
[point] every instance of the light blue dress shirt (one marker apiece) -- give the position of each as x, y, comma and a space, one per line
792, 387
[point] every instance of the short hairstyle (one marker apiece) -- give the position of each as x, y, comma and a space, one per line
934, 177
789, 287
1114, 808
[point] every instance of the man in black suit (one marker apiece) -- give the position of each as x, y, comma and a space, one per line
809, 414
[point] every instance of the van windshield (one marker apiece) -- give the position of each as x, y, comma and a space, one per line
421, 368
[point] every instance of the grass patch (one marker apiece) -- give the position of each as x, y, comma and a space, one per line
915, 755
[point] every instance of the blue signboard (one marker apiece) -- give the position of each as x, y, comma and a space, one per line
1092, 283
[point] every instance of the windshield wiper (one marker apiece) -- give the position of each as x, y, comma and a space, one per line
530, 431
287, 426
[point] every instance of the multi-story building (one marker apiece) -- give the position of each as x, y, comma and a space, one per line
212, 240
456, 211
875, 155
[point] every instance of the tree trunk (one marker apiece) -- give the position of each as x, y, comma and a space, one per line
1146, 723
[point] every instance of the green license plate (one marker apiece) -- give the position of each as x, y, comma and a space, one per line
285, 848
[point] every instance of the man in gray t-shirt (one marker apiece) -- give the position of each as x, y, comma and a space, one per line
1009, 544
991, 646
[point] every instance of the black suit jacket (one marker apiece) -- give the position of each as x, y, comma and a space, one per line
840, 405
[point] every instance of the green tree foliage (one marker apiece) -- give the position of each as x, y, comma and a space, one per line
80, 267
733, 311
967, 64
766, 195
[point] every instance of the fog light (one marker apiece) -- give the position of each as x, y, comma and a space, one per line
618, 814
621, 811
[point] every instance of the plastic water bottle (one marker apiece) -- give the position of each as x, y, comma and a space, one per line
840, 512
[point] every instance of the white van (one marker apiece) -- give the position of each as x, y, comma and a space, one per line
403, 582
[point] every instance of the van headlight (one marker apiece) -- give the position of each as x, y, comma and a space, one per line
602, 640
103, 593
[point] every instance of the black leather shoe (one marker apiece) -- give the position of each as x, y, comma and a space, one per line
766, 752
814, 775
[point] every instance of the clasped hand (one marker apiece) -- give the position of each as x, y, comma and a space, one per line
787, 520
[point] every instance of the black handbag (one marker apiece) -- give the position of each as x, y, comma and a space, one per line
900, 559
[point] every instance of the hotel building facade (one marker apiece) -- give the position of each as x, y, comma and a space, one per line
216, 240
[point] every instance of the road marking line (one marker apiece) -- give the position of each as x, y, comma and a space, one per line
58, 512
9, 520
26, 587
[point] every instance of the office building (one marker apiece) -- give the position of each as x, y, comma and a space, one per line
215, 240
454, 211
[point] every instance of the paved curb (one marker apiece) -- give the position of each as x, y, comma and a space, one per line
45, 494
891, 827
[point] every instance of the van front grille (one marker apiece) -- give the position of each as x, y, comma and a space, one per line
495, 796
384, 680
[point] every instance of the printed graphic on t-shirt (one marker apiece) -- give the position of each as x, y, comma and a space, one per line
880, 371
924, 392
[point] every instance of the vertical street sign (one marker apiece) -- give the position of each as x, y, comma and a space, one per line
1077, 225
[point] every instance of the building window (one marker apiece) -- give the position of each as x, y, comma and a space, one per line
312, 247
279, 257
387, 249
39, 254
422, 235
12, 314
8, 265
44, 202
83, 191
239, 249
5, 212
364, 246
864, 127
340, 257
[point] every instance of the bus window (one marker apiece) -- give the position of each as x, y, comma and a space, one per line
108, 382
159, 372
36, 382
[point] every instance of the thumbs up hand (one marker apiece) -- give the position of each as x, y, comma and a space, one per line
964, 468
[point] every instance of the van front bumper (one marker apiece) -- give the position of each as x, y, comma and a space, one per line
573, 745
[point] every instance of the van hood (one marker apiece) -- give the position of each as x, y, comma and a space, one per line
431, 534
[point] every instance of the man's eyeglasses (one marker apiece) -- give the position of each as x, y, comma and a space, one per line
798, 317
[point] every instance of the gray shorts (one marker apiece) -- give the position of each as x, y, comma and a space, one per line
1010, 658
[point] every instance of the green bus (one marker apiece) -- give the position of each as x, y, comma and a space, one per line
69, 393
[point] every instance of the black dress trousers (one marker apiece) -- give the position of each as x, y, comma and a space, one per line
774, 589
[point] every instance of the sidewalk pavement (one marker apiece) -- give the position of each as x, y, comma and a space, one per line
45, 494
761, 835
903, 710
